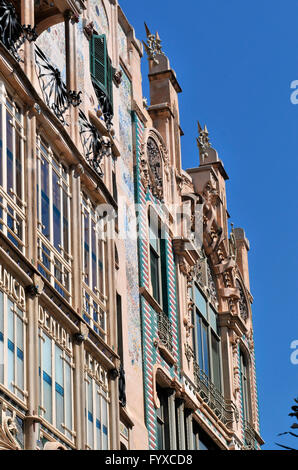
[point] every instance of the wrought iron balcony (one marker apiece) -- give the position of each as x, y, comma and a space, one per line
165, 331
12, 33
212, 397
249, 436
96, 147
54, 90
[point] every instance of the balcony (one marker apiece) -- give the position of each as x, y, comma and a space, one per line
165, 331
223, 410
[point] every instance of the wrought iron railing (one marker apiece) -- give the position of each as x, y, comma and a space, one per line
165, 331
223, 409
249, 436
12, 33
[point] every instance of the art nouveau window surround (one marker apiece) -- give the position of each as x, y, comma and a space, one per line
13, 329
94, 254
54, 215
97, 409
12, 185
56, 365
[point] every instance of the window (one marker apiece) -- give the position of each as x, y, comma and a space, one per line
101, 69
12, 346
206, 337
56, 382
163, 431
201, 440
94, 248
12, 205
53, 213
97, 411
158, 260
245, 387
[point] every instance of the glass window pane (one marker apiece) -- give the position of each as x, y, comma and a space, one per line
105, 424
90, 415
47, 397
154, 263
47, 355
216, 362
68, 396
59, 366
213, 319
205, 349
199, 342
98, 419
200, 302
56, 211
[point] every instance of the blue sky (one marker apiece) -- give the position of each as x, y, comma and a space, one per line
235, 62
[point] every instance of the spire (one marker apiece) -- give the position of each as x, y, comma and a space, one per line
203, 141
153, 45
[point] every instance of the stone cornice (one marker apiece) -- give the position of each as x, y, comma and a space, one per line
170, 74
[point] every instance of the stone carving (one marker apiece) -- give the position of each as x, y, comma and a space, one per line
153, 163
8, 430
155, 166
211, 286
153, 46
203, 141
242, 302
118, 77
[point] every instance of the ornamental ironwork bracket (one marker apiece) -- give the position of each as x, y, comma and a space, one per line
105, 106
12, 33
96, 147
56, 95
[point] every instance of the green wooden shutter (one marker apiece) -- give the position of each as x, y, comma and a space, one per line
110, 74
98, 61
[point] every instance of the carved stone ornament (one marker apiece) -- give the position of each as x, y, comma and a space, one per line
8, 430
242, 302
203, 141
211, 286
153, 45
153, 163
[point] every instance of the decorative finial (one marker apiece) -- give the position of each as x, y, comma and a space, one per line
203, 141
153, 45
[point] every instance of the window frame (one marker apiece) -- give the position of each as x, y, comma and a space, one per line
245, 386
204, 320
51, 259
100, 389
13, 346
67, 357
155, 251
12, 205
95, 302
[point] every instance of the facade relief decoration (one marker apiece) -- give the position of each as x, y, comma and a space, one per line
154, 163
9, 429
203, 141
243, 307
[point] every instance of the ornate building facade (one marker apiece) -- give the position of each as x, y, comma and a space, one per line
125, 306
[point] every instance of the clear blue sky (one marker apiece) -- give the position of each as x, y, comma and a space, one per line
235, 61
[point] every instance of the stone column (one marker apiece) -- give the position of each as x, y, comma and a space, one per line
172, 419
189, 430
181, 425
28, 18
